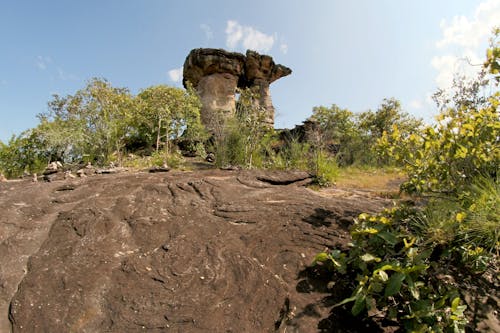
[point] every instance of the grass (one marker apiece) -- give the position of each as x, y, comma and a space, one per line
384, 181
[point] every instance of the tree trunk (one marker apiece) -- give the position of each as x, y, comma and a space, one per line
158, 135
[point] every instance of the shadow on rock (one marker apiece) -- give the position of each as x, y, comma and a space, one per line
321, 218
336, 288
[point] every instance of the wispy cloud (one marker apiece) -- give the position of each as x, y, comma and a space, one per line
284, 48
462, 42
64, 76
209, 34
42, 62
175, 74
53, 70
247, 37
416, 104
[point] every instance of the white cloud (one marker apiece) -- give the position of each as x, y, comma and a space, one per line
446, 66
42, 62
471, 32
416, 104
284, 48
64, 76
247, 37
53, 70
207, 30
234, 33
463, 42
176, 74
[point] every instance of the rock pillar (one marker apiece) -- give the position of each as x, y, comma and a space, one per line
216, 74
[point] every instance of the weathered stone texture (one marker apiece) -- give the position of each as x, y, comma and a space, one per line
217, 74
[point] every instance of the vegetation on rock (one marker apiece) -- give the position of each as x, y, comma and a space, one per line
417, 265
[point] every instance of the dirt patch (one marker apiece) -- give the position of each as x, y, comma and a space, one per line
206, 251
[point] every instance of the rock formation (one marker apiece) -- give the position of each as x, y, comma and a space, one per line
216, 74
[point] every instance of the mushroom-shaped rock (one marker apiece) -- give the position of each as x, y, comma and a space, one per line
260, 72
216, 74
205, 62
262, 67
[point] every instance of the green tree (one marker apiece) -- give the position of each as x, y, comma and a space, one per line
388, 114
492, 63
338, 127
167, 113
251, 125
353, 136
448, 156
95, 121
23, 153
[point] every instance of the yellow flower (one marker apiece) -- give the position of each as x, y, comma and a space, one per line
460, 217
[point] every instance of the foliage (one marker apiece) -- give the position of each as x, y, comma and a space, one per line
492, 63
352, 136
295, 156
480, 215
228, 145
338, 128
23, 153
167, 113
395, 276
94, 121
388, 116
324, 168
446, 157
99, 122
238, 140
397, 256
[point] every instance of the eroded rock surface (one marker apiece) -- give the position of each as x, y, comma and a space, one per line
211, 251
207, 251
216, 74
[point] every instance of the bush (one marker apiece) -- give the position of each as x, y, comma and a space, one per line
394, 275
325, 169
397, 256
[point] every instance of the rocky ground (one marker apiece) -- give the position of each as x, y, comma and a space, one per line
205, 251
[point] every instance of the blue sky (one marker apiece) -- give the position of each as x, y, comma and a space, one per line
351, 53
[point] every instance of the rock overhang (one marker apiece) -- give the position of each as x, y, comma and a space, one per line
217, 74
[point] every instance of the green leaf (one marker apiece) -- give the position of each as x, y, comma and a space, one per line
455, 303
321, 257
413, 288
394, 284
376, 287
383, 276
367, 257
415, 268
359, 304
388, 237
389, 267
346, 300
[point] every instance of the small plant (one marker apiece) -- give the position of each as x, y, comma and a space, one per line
394, 275
476, 259
325, 169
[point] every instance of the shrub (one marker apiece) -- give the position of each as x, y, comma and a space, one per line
394, 275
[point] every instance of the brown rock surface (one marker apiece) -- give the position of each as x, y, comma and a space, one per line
206, 251
216, 74
212, 251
